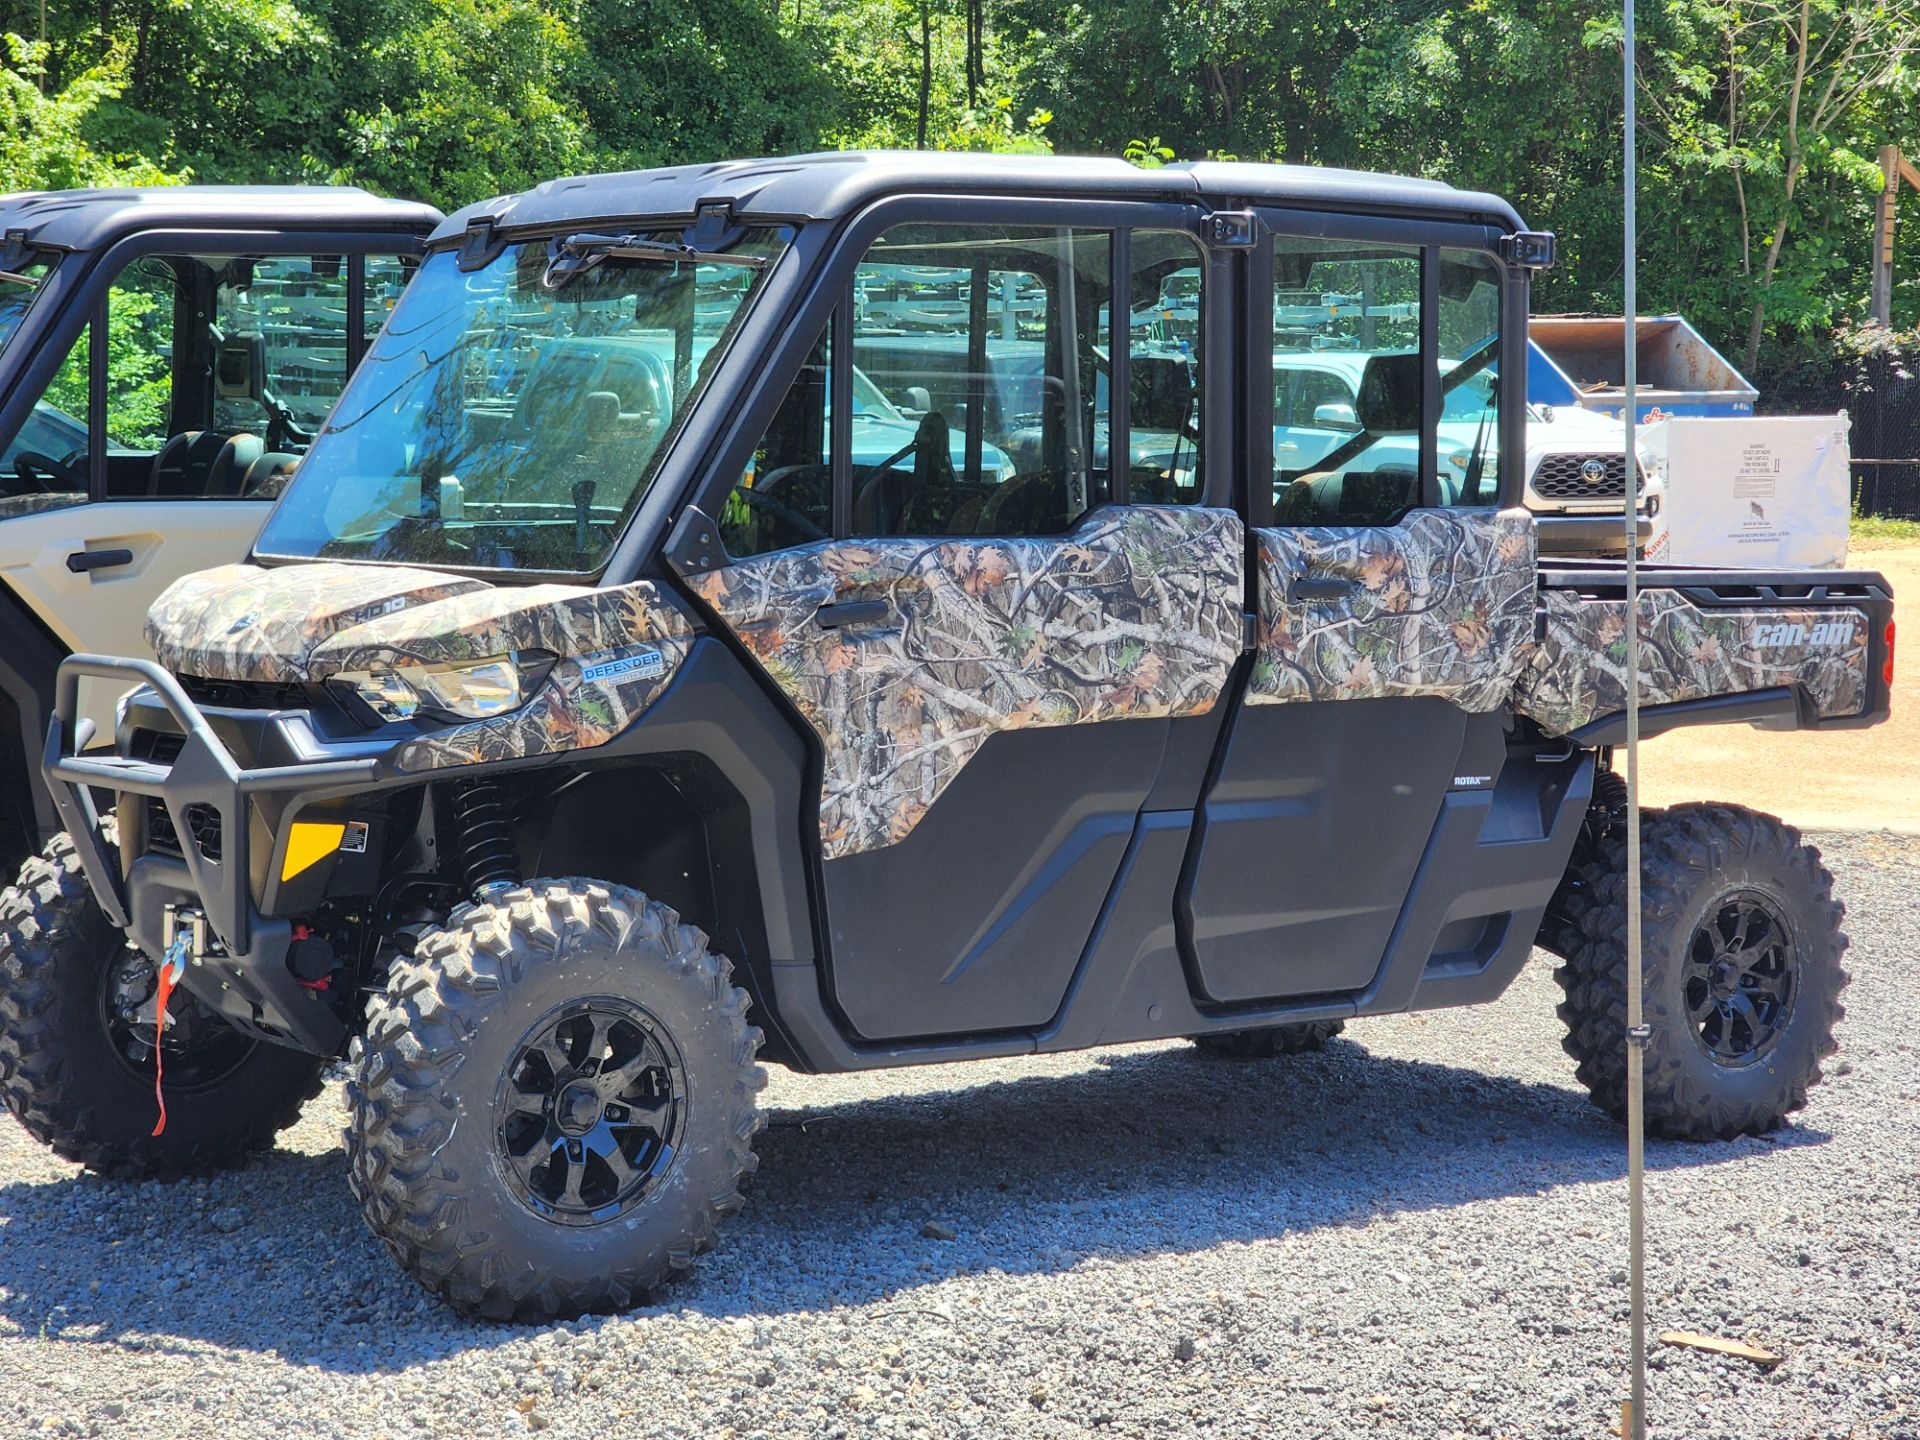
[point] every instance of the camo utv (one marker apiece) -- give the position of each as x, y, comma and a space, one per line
568, 746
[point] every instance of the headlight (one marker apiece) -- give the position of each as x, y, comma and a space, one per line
471, 690
476, 690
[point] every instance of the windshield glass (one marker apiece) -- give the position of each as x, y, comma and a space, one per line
17, 291
498, 423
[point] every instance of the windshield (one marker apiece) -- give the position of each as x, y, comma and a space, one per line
498, 423
17, 291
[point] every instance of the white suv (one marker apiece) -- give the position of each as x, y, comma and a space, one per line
1575, 460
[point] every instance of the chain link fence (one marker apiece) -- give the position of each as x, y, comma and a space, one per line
1876, 380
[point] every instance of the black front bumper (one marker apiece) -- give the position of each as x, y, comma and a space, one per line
250, 982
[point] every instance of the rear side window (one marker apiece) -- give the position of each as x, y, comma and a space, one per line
1348, 381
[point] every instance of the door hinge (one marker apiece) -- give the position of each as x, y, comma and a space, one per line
1231, 229
693, 545
1249, 632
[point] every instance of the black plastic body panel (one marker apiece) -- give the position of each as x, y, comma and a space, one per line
974, 921
1306, 841
28, 658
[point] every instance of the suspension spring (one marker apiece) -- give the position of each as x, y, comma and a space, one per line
485, 820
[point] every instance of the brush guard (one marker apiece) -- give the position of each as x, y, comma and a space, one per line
204, 774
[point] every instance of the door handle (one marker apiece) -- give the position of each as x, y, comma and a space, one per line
82, 561
851, 612
1319, 587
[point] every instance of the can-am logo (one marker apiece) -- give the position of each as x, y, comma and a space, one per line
1787, 632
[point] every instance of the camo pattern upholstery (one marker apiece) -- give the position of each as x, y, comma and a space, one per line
619, 649
246, 622
1578, 672
1134, 614
1442, 604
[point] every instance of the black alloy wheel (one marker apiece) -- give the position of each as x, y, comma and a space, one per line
590, 1111
1740, 977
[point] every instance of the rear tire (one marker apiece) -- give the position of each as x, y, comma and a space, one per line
66, 1070
1605, 823
554, 1103
1271, 1040
1741, 968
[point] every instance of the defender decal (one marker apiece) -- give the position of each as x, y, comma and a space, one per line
644, 665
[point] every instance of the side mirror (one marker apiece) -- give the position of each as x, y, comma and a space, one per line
240, 368
918, 400
1336, 416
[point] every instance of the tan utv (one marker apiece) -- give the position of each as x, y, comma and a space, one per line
166, 356
611, 704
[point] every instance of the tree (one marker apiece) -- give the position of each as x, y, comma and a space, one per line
46, 140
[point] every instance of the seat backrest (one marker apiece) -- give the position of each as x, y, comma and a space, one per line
227, 475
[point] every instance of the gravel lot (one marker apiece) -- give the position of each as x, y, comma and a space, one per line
1418, 1233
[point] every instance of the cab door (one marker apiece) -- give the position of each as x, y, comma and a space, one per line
176, 415
1394, 597
990, 598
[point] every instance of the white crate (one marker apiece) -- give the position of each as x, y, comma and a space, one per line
1753, 491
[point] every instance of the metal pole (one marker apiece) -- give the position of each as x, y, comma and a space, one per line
1636, 1030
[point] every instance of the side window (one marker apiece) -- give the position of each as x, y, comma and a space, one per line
44, 466
287, 314
140, 343
1164, 398
1469, 378
1347, 381
785, 497
387, 276
978, 351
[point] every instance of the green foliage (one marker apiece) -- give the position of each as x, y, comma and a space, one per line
49, 141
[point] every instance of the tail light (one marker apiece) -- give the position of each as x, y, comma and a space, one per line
1888, 669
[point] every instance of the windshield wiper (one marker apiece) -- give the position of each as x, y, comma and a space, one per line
573, 256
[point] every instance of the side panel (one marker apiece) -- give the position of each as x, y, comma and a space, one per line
1135, 614
1687, 652
1439, 605
101, 612
975, 920
1307, 841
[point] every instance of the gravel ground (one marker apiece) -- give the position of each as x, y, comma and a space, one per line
1417, 1233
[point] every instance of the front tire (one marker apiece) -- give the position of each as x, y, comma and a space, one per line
554, 1103
1741, 972
80, 1079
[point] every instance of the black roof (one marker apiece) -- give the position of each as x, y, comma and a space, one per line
89, 219
824, 186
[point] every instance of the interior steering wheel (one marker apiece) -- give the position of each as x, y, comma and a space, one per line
756, 500
37, 470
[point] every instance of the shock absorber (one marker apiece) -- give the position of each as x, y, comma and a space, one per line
486, 837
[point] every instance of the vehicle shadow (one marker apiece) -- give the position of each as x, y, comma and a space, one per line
1146, 1152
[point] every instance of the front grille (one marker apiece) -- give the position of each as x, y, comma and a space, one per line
203, 821
161, 749
1559, 478
247, 694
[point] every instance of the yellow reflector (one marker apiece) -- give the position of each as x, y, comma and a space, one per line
308, 845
